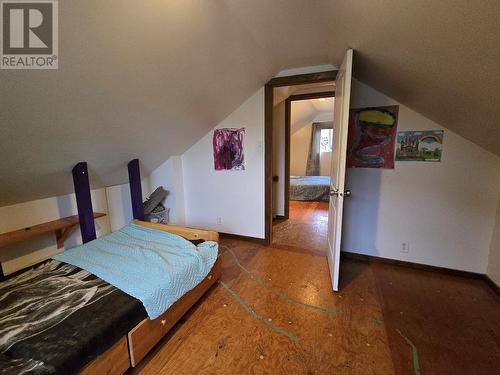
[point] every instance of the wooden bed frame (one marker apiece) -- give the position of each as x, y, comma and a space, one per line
131, 349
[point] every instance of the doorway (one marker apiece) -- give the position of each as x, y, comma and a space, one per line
294, 106
302, 145
337, 192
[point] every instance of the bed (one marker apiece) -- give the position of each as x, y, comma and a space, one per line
309, 188
60, 319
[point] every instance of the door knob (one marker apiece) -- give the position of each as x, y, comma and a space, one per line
347, 193
333, 193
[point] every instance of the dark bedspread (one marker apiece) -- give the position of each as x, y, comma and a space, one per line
56, 318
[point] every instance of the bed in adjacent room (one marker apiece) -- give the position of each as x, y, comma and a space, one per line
309, 188
58, 318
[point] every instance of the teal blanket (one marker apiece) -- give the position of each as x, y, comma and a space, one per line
153, 266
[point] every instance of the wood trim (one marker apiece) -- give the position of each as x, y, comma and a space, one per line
423, 267
418, 266
114, 361
187, 233
492, 285
302, 79
312, 95
268, 162
143, 337
299, 79
261, 241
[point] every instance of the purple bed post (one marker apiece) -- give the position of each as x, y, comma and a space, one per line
134, 177
84, 202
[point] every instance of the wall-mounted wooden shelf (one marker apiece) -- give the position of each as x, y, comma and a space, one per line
61, 227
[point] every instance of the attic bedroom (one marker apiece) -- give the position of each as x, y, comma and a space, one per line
249, 187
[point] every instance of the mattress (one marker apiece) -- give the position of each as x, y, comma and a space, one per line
309, 188
151, 265
56, 318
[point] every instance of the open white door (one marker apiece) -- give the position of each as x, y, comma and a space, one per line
339, 154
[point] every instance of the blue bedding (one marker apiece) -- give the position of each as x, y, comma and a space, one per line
153, 266
309, 188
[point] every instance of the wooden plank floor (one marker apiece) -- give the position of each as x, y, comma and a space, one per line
268, 317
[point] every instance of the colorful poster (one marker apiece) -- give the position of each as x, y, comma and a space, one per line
424, 145
372, 134
228, 149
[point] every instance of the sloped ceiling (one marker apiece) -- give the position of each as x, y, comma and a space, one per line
323, 104
440, 58
148, 79
305, 111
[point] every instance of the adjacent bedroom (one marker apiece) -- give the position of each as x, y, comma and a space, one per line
307, 124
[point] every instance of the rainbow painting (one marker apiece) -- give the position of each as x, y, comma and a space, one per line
426, 145
228, 149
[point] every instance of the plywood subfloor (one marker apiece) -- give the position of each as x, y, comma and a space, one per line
454, 323
221, 337
267, 317
306, 228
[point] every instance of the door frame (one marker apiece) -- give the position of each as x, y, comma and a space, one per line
288, 139
268, 134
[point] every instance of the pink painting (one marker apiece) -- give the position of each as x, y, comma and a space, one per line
228, 149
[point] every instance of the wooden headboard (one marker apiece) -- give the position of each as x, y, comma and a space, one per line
187, 233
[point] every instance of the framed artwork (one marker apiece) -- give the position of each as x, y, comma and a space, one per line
228, 149
371, 138
424, 145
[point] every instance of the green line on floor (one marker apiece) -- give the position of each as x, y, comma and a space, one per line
275, 290
249, 310
416, 364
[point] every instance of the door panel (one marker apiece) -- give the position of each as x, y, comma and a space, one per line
339, 154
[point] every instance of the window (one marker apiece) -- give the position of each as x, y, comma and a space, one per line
325, 144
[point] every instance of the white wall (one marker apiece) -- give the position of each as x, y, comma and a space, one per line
237, 197
299, 150
120, 203
445, 210
22, 215
493, 270
169, 175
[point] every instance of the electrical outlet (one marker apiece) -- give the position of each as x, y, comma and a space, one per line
219, 220
405, 247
